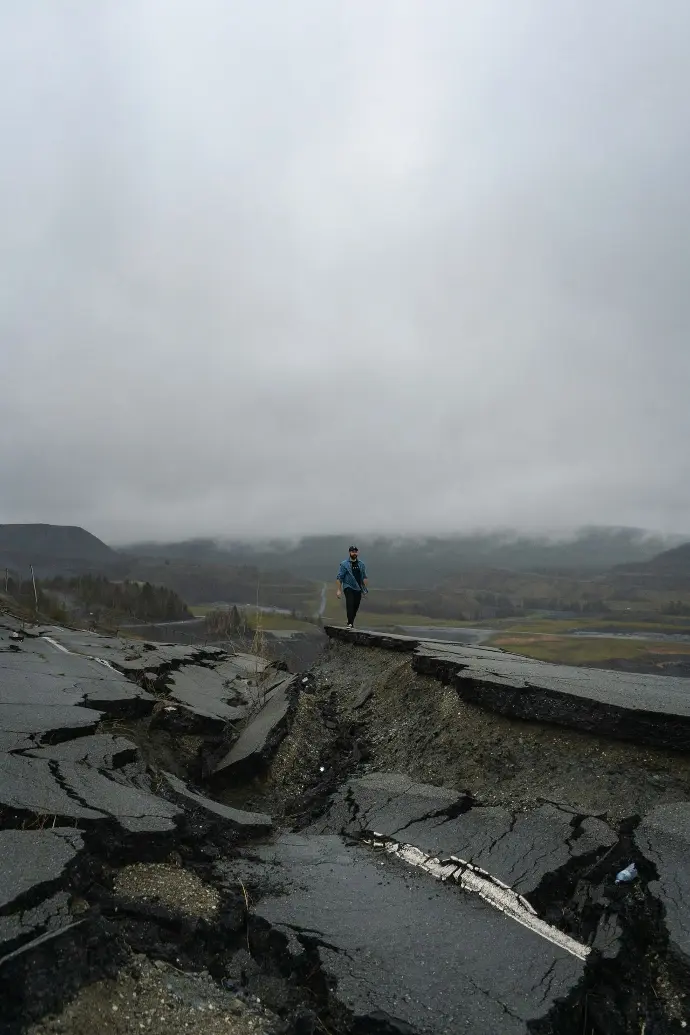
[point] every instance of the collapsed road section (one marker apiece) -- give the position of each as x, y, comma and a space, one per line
524, 821
647, 709
199, 840
107, 918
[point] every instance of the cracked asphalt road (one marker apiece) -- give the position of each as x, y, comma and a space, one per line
448, 893
403, 947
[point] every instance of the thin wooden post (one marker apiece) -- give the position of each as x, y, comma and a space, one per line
33, 579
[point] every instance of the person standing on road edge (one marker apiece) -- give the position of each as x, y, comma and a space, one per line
352, 580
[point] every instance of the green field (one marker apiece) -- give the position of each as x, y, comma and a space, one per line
279, 623
564, 625
575, 650
526, 626
335, 615
389, 621
201, 610
541, 638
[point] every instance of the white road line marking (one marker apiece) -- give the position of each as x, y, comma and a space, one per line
76, 654
49, 639
488, 887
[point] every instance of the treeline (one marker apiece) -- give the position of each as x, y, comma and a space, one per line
225, 622
495, 605
401, 562
199, 583
140, 601
229, 621
592, 606
477, 605
33, 598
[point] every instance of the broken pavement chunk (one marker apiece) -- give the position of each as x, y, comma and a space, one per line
135, 810
520, 849
387, 803
45, 673
648, 709
246, 821
31, 858
101, 750
263, 733
205, 691
429, 959
33, 862
58, 721
663, 837
48, 787
30, 785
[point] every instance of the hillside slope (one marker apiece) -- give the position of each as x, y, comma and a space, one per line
54, 550
669, 570
425, 561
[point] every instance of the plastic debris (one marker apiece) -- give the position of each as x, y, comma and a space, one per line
626, 875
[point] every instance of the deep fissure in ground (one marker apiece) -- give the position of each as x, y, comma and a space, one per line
357, 713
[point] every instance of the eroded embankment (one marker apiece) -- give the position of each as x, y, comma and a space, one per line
554, 812
432, 867
372, 709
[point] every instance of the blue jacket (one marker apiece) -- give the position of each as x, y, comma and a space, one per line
347, 578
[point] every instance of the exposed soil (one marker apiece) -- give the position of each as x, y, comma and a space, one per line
368, 710
158, 999
413, 724
173, 886
159, 912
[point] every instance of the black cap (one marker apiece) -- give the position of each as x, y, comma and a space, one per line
350, 549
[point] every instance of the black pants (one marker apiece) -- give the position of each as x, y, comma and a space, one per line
353, 598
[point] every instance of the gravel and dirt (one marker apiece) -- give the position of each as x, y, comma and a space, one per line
369, 710
172, 886
157, 999
178, 921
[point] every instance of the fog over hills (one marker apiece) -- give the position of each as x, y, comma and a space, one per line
407, 561
395, 561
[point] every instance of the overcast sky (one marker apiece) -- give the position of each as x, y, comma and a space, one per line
278, 267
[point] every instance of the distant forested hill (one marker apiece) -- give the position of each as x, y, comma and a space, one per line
424, 561
55, 550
